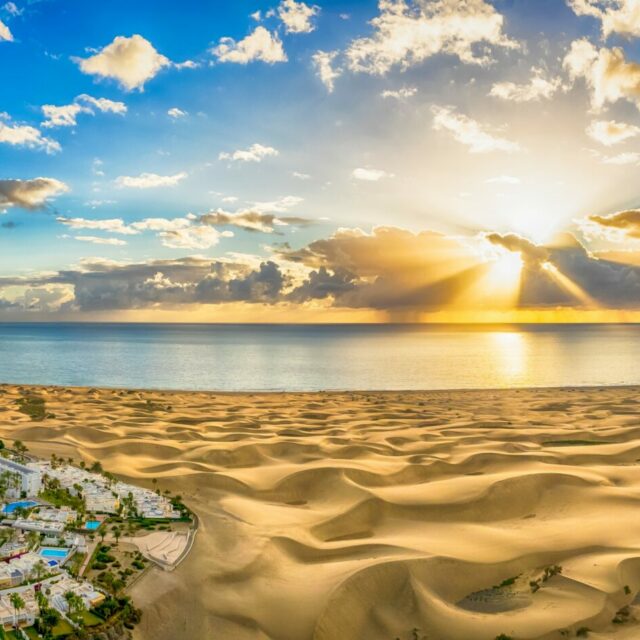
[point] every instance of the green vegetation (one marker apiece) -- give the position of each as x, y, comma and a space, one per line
622, 615
34, 406
503, 636
583, 632
60, 497
62, 628
508, 582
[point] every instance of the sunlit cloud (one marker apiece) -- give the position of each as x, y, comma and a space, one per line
370, 175
297, 16
114, 242
18, 135
149, 180
469, 132
323, 62
112, 225
610, 132
406, 33
608, 75
260, 45
623, 224
5, 33
617, 16
255, 153
176, 113
66, 115
131, 61
539, 87
400, 94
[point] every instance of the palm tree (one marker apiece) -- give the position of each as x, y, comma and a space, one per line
18, 604
76, 606
39, 570
41, 599
116, 533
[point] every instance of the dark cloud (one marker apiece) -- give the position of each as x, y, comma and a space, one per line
30, 194
531, 253
8, 225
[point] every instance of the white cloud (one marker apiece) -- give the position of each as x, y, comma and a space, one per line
176, 113
296, 16
607, 74
255, 153
504, 180
161, 224
131, 61
407, 33
12, 9
26, 136
62, 116
370, 175
5, 33
259, 45
323, 62
301, 176
622, 159
66, 115
400, 94
610, 132
103, 104
116, 242
539, 87
617, 16
197, 237
150, 180
277, 206
112, 225
469, 132
30, 194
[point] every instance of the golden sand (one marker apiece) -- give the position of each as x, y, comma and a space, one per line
349, 516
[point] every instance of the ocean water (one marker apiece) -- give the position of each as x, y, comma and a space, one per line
318, 357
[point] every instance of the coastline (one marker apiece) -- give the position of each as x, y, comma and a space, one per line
335, 504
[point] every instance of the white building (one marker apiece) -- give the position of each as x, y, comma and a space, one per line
30, 476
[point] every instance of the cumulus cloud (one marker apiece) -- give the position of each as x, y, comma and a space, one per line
608, 76
297, 16
192, 237
30, 194
617, 16
619, 159
610, 132
66, 115
323, 61
25, 136
112, 225
149, 180
530, 252
260, 45
469, 132
5, 33
539, 87
407, 32
131, 61
176, 113
255, 153
622, 224
370, 175
98, 240
400, 94
252, 219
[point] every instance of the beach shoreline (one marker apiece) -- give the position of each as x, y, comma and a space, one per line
369, 514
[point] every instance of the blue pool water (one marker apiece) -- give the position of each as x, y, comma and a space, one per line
50, 552
12, 506
92, 525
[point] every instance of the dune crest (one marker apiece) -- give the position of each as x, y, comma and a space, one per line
366, 515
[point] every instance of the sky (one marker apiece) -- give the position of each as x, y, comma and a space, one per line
345, 161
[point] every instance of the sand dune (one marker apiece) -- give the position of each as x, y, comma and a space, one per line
343, 516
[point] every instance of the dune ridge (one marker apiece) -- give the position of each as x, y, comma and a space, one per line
329, 516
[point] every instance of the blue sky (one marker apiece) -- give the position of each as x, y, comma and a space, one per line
463, 119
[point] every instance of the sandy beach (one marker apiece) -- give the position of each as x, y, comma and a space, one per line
328, 516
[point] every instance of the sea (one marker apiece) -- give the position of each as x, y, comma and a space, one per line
248, 357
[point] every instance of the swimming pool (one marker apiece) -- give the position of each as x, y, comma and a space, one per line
24, 504
52, 552
92, 525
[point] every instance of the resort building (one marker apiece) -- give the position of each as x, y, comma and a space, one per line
89, 594
19, 570
30, 476
40, 526
25, 617
12, 549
